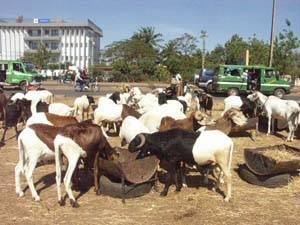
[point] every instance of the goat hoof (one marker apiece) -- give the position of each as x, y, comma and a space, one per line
163, 194
74, 204
37, 199
227, 199
20, 193
61, 202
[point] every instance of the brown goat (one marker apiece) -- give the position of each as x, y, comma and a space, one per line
60, 121
230, 118
129, 111
192, 123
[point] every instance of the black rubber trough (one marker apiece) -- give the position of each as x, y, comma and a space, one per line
270, 160
127, 177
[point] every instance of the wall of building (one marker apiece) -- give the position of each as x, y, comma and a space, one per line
77, 45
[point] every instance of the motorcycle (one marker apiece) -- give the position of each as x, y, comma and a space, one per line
87, 85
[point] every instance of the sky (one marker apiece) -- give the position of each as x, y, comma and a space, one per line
119, 19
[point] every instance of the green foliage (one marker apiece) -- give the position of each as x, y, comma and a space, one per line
136, 58
41, 58
161, 73
259, 51
284, 52
235, 50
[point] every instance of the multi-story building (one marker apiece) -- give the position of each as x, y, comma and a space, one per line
73, 42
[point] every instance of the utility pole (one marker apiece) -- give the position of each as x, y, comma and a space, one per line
272, 34
203, 37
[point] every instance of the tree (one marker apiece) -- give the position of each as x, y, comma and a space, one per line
41, 58
285, 50
235, 50
186, 44
216, 57
148, 36
259, 51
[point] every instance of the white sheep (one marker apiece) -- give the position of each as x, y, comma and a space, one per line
152, 119
232, 101
130, 128
38, 95
82, 105
61, 109
17, 96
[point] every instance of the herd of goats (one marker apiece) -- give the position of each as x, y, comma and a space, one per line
178, 130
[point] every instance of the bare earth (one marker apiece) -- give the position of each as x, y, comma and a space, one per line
193, 205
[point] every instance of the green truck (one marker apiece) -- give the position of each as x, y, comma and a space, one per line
235, 79
17, 73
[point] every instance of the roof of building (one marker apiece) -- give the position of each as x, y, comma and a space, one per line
38, 22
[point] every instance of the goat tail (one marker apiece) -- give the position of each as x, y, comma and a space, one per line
21, 154
297, 119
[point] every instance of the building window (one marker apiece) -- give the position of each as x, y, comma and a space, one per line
71, 58
62, 45
80, 45
76, 58
67, 58
54, 32
71, 45
80, 58
34, 33
67, 45
76, 45
47, 32
54, 45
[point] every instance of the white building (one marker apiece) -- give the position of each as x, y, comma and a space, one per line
74, 42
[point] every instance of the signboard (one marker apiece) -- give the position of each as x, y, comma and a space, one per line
44, 20
37, 20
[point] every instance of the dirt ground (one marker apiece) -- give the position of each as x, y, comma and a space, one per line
193, 205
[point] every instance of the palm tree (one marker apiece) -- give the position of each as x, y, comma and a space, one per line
148, 36
170, 49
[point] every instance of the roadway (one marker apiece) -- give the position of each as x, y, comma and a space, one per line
68, 90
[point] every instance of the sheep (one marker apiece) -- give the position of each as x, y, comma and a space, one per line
50, 119
131, 126
108, 111
83, 140
15, 112
176, 145
191, 123
225, 123
37, 142
38, 95
55, 108
82, 104
16, 96
153, 118
278, 108
245, 105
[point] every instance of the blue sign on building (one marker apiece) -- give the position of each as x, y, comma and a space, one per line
44, 20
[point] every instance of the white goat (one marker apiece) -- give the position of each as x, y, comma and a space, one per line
39, 95
61, 109
130, 128
232, 101
31, 150
276, 108
17, 96
152, 119
81, 106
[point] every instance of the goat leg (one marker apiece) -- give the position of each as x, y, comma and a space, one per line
3, 136
167, 185
17, 132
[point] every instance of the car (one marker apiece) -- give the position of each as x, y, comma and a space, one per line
204, 79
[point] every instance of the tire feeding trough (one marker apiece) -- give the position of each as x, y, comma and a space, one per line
127, 176
270, 166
